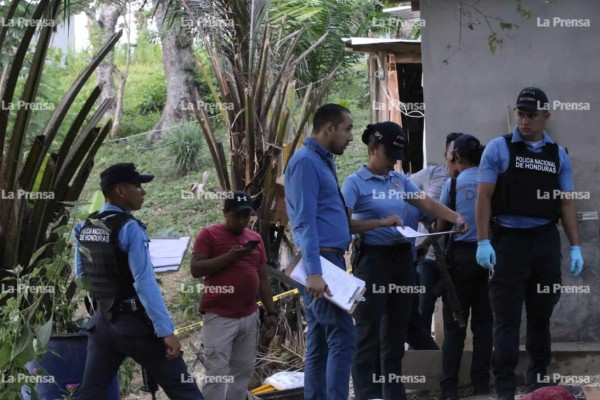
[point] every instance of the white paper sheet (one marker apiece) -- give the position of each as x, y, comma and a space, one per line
167, 254
411, 233
343, 286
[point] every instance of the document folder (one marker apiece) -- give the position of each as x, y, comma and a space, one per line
347, 290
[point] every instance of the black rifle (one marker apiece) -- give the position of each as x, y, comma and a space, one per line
356, 252
150, 385
446, 285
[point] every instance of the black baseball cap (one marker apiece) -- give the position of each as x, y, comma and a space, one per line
122, 172
238, 201
466, 142
390, 134
532, 98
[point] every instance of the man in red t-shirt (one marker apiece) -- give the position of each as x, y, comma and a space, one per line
231, 258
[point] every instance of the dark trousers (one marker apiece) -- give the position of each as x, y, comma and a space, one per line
330, 346
131, 335
471, 283
418, 336
527, 270
381, 321
428, 277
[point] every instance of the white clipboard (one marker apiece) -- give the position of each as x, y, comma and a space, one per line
347, 290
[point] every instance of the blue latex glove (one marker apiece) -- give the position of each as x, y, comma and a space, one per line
576, 261
486, 256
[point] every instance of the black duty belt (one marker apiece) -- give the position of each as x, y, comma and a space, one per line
392, 247
333, 250
525, 232
129, 306
464, 245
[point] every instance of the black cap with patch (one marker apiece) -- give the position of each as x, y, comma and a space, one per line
532, 98
122, 172
390, 134
238, 201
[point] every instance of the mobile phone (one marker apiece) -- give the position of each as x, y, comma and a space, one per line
252, 244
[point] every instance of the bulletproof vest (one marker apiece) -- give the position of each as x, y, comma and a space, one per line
529, 185
107, 268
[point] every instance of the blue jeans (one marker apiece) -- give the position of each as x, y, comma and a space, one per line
330, 346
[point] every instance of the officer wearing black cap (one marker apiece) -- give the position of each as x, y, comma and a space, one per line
375, 196
470, 281
130, 317
519, 178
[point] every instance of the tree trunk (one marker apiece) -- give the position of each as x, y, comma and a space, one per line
106, 23
114, 132
180, 68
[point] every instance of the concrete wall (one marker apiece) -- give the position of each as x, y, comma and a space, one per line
475, 89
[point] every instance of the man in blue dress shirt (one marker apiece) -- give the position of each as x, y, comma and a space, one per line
522, 177
320, 227
130, 317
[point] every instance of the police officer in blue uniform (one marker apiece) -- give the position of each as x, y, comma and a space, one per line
470, 281
519, 177
375, 196
130, 317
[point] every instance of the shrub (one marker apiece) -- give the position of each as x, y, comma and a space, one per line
186, 148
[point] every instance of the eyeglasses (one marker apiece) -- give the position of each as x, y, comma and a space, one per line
530, 115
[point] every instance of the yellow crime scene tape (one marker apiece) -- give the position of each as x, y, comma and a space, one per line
195, 325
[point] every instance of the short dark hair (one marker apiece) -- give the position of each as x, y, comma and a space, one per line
451, 137
108, 192
328, 113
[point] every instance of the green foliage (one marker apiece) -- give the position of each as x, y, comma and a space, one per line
186, 148
185, 303
27, 296
154, 98
147, 49
337, 18
127, 370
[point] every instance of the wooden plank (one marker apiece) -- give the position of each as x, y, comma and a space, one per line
393, 90
372, 69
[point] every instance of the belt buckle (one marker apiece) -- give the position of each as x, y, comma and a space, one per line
133, 305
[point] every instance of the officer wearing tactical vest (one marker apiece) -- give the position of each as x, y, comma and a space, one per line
130, 319
515, 173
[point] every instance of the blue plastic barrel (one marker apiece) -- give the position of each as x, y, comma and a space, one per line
64, 368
